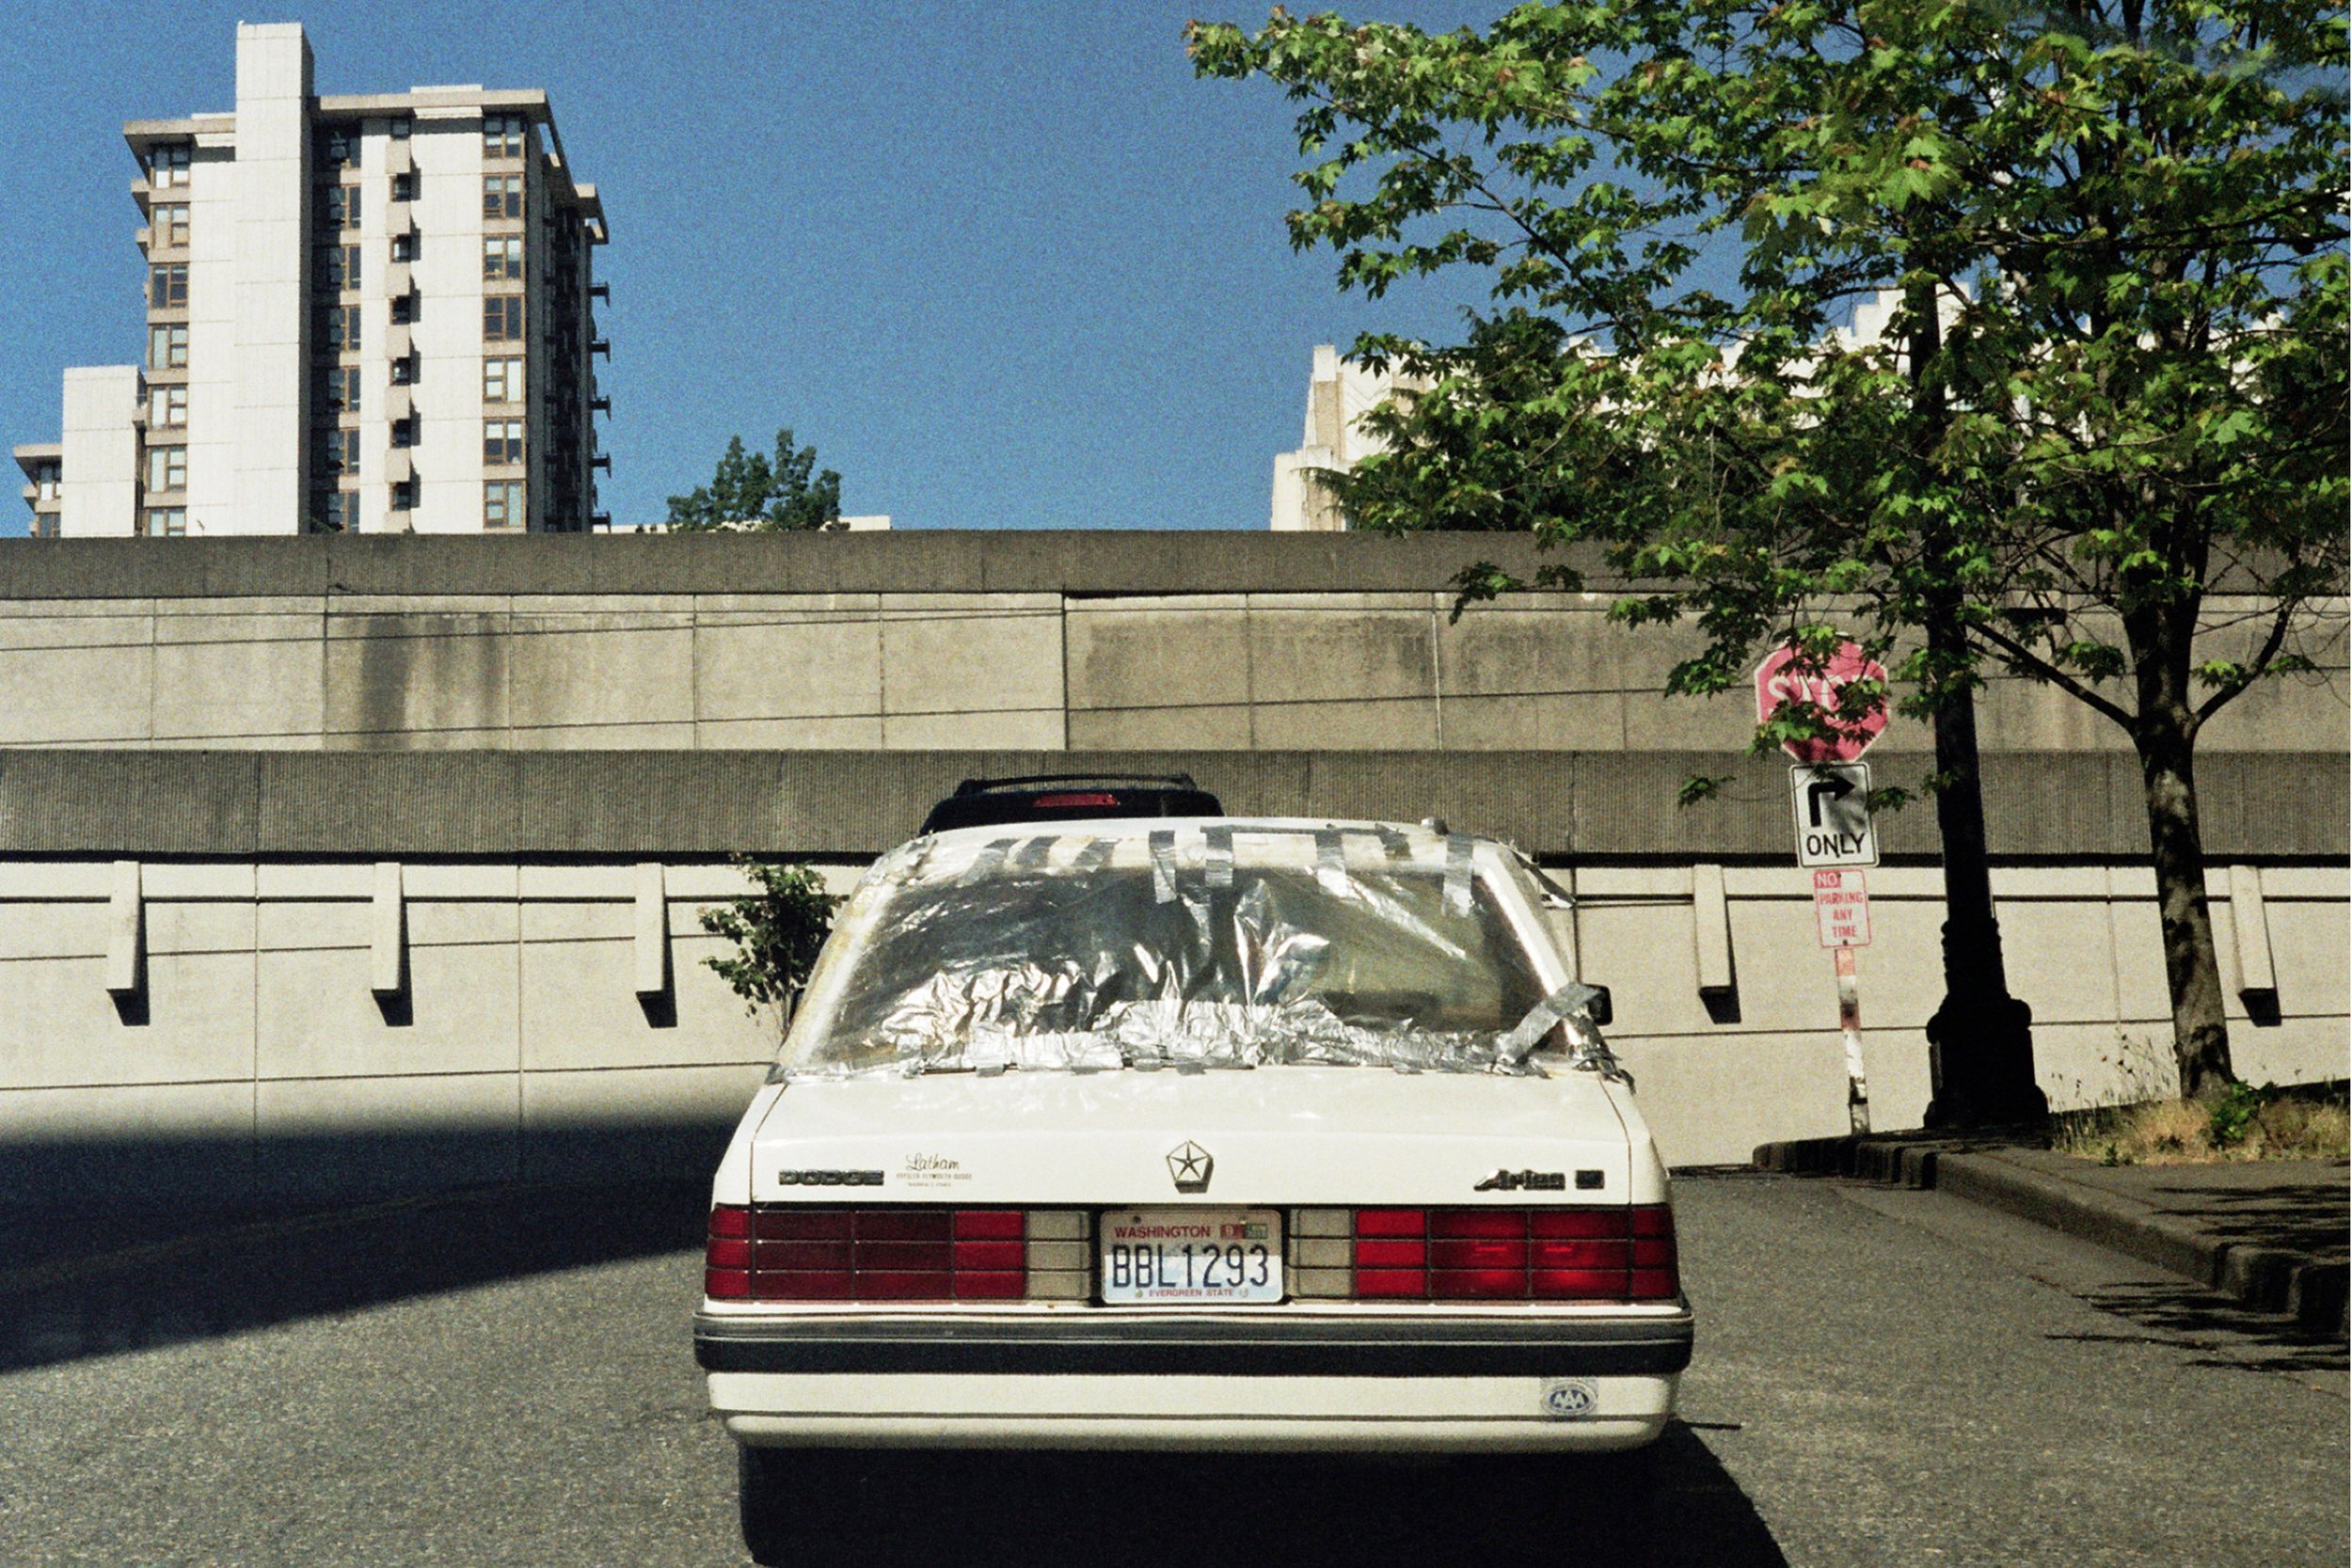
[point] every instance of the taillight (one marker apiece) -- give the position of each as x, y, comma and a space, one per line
1585, 1254
1068, 798
805, 1252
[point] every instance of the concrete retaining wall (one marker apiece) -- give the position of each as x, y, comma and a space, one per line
227, 1043
254, 1062
897, 641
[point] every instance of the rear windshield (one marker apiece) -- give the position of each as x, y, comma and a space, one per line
1024, 954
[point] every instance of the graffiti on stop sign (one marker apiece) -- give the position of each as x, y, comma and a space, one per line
1786, 678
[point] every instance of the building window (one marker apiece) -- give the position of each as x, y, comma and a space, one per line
166, 467
404, 432
336, 511
404, 371
339, 148
501, 441
45, 525
168, 166
169, 224
404, 310
404, 187
339, 451
502, 256
167, 407
342, 328
342, 206
405, 495
502, 381
167, 286
167, 522
502, 135
503, 195
406, 246
46, 479
167, 347
502, 503
342, 390
502, 319
339, 265
400, 128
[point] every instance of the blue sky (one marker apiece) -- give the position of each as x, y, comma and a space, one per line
1007, 265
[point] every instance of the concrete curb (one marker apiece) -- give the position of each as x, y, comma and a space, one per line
2312, 1290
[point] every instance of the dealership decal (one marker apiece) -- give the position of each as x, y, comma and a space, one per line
933, 1170
829, 1178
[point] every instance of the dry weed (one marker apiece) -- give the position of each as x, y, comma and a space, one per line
2182, 1132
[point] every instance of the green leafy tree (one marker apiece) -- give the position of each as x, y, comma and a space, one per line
756, 492
778, 929
2097, 438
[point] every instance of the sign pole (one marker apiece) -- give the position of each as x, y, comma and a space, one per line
1850, 1025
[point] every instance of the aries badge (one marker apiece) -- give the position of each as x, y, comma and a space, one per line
1188, 1166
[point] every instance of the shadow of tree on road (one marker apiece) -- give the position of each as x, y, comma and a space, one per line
2234, 1334
2297, 1217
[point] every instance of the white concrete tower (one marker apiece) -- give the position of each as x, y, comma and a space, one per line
369, 313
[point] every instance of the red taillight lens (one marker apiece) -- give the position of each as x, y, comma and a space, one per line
1391, 1221
728, 1253
803, 1252
1070, 798
1504, 1254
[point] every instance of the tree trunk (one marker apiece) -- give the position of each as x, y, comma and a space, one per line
2165, 738
1981, 1040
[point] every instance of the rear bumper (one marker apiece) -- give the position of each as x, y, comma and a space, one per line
1238, 1382
1102, 1343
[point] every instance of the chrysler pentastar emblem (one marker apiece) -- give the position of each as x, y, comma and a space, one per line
1189, 1165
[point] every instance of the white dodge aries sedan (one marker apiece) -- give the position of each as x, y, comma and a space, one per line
1192, 1133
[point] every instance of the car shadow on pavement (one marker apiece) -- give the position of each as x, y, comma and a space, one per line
1665, 1507
157, 1280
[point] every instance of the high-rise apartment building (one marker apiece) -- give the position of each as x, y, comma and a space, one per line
372, 313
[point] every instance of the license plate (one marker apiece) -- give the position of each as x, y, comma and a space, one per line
1192, 1257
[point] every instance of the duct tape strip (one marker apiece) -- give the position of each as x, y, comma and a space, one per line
1096, 855
1164, 866
1393, 844
1457, 873
1331, 861
987, 862
1031, 855
1221, 855
1541, 1019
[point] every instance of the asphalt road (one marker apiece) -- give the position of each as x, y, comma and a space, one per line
1882, 1378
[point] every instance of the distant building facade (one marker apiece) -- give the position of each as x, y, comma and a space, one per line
1339, 394
370, 313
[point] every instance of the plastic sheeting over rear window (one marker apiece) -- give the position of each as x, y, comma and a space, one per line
1233, 946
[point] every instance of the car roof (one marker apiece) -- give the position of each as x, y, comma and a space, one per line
1144, 827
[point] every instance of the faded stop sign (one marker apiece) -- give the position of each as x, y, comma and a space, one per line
1782, 680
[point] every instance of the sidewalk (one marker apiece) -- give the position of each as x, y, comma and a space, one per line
2269, 1233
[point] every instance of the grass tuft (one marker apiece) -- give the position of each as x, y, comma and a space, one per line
2246, 1123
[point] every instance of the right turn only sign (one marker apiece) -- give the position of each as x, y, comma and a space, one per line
1831, 801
